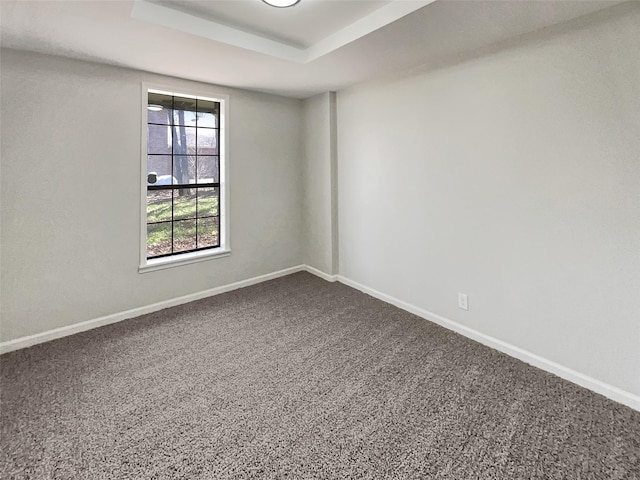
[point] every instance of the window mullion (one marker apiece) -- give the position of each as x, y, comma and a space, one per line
195, 172
173, 148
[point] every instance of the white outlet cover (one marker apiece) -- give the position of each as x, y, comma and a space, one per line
463, 301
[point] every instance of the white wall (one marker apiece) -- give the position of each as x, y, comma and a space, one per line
319, 184
514, 178
71, 192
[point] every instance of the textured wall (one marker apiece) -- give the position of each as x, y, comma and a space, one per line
513, 178
71, 193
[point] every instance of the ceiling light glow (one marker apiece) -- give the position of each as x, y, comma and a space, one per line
281, 3
154, 108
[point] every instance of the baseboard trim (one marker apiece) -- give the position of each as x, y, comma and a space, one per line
320, 273
28, 341
609, 391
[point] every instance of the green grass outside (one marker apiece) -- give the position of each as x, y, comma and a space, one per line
185, 208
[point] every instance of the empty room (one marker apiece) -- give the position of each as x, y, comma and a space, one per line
320, 239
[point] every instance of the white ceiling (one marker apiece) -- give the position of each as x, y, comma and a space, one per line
303, 25
302, 34
316, 46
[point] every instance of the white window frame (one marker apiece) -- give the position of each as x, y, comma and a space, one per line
149, 265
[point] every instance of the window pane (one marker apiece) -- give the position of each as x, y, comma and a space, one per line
184, 203
161, 99
208, 113
158, 239
158, 206
207, 144
184, 235
208, 232
208, 169
184, 111
159, 108
184, 140
208, 199
159, 139
159, 116
184, 118
158, 170
184, 168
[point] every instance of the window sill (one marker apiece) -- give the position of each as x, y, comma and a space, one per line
182, 259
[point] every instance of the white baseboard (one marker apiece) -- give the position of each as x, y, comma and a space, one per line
609, 391
597, 386
28, 341
321, 274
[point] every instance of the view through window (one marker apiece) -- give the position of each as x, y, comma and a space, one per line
183, 174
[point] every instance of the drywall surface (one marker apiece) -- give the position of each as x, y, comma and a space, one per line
71, 193
319, 216
513, 178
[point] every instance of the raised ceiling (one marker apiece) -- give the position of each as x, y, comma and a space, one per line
316, 46
303, 25
301, 34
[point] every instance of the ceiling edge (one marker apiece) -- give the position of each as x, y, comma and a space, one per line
219, 32
370, 23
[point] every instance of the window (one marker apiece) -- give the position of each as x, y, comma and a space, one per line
183, 175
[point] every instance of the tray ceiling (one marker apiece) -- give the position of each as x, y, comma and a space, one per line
314, 47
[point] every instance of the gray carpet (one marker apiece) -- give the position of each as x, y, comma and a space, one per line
298, 378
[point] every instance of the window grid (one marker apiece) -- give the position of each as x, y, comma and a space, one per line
173, 125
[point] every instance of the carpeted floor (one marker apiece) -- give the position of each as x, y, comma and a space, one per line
298, 378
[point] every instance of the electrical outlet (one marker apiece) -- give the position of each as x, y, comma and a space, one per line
463, 301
